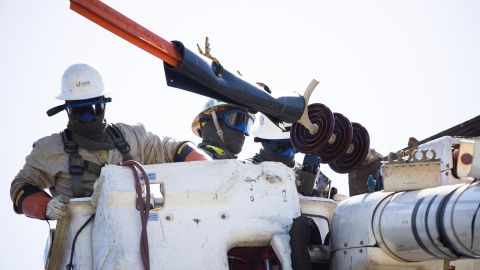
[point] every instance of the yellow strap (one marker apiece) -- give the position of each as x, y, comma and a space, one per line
18, 197
104, 153
217, 150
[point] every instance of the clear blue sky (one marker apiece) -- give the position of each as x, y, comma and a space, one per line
400, 68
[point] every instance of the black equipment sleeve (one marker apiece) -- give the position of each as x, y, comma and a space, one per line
196, 75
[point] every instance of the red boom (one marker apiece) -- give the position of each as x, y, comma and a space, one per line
122, 26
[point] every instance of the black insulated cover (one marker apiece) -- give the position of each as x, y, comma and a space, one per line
196, 75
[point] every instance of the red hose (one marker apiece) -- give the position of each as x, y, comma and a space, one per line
143, 208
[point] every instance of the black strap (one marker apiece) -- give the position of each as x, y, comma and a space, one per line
78, 166
75, 163
70, 146
120, 143
76, 170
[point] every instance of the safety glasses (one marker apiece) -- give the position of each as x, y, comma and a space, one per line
86, 111
238, 120
235, 119
98, 105
281, 148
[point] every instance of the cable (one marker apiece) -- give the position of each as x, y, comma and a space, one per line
70, 264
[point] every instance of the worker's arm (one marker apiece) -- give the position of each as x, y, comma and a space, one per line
32, 202
36, 203
27, 188
149, 148
189, 152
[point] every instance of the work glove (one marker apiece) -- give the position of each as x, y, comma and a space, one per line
57, 207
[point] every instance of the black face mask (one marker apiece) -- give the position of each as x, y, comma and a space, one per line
93, 130
234, 139
267, 154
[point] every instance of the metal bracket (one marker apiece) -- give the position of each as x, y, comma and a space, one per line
304, 120
207, 52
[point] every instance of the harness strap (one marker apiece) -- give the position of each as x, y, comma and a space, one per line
120, 143
217, 126
78, 165
76, 170
69, 145
75, 163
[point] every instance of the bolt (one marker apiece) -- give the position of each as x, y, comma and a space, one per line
361, 242
350, 149
332, 139
345, 244
168, 217
223, 216
345, 252
466, 159
361, 250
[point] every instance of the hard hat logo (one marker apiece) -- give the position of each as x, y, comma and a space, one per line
82, 84
81, 81
266, 129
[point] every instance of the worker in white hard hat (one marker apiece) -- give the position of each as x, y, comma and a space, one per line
68, 163
275, 140
223, 128
276, 146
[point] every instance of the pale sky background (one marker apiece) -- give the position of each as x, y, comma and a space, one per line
400, 68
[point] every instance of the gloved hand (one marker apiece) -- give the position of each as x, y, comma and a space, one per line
57, 207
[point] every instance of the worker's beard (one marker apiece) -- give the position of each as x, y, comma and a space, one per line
92, 130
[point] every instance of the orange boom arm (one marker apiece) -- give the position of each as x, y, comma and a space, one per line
122, 26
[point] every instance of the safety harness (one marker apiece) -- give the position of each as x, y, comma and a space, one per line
78, 165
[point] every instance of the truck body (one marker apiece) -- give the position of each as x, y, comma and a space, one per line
201, 211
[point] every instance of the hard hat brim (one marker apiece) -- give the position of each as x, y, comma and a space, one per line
66, 96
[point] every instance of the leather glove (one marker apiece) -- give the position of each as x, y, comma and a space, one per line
57, 207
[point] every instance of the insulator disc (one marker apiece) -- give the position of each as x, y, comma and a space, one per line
342, 137
350, 161
306, 142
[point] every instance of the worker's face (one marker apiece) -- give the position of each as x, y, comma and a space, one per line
281, 148
233, 139
232, 117
85, 111
86, 117
237, 119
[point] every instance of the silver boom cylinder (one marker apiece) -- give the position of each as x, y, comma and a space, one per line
435, 223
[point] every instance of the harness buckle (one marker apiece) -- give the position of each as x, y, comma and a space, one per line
70, 147
75, 170
122, 146
76, 165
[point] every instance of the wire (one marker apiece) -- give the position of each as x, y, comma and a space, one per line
70, 264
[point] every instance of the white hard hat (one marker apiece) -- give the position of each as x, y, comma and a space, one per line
264, 128
211, 104
81, 81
